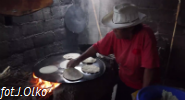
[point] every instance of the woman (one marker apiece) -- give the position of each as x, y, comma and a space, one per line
134, 46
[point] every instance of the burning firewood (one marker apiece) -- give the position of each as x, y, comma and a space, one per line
5, 73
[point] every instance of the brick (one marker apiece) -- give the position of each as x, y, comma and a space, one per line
64, 2
43, 39
48, 50
15, 60
53, 24
40, 52
57, 48
3, 64
14, 32
28, 43
3, 35
2, 19
27, 68
60, 34
16, 46
43, 52
19, 46
29, 56
170, 4
56, 2
150, 3
56, 12
64, 9
38, 15
166, 28
47, 13
4, 50
32, 28
22, 19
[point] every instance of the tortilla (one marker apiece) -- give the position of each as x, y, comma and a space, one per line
72, 74
90, 69
48, 69
64, 64
89, 60
71, 56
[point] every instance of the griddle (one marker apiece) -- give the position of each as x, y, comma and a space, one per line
58, 75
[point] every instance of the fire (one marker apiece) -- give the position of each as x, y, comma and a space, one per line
49, 86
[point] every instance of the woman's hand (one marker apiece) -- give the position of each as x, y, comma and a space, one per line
72, 63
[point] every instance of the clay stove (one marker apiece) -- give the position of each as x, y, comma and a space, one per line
97, 89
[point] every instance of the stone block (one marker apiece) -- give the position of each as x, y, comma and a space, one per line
60, 34
16, 60
166, 28
170, 4
64, 2
40, 52
150, 3
14, 32
5, 50
47, 13
48, 49
53, 24
32, 28
57, 48
22, 19
3, 35
64, 9
16, 46
56, 3
28, 43
43, 39
19, 46
29, 56
2, 19
56, 12
38, 15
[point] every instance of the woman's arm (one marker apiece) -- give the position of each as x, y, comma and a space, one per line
148, 77
89, 52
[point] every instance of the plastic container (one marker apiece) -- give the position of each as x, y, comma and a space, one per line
155, 92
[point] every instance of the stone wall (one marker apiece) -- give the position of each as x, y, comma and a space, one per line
34, 36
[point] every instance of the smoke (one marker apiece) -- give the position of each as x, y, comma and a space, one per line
102, 7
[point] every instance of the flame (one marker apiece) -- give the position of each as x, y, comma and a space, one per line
49, 86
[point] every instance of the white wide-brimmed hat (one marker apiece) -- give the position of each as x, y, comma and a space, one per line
123, 16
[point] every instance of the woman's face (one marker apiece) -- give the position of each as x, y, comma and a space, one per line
124, 33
